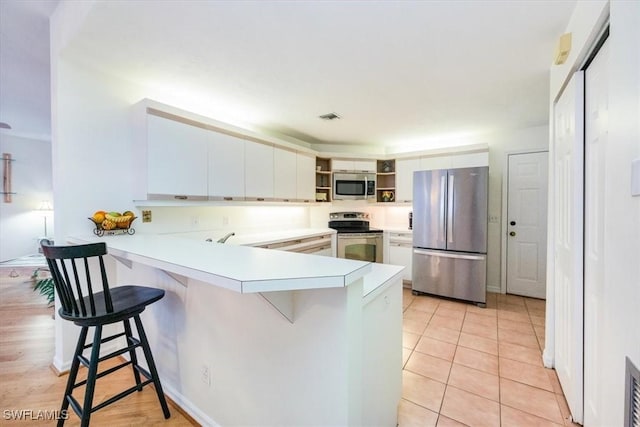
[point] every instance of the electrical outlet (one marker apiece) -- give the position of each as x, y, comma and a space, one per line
205, 374
146, 216
225, 220
195, 221
494, 219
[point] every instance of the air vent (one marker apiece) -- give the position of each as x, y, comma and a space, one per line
632, 396
329, 116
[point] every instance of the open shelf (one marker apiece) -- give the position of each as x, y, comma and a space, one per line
385, 181
323, 179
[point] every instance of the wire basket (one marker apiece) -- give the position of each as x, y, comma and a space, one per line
112, 225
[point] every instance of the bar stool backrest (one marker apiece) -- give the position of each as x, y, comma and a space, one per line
70, 284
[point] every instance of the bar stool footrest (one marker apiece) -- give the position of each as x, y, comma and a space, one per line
120, 396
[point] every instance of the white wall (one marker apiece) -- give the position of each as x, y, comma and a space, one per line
92, 137
500, 144
20, 223
618, 314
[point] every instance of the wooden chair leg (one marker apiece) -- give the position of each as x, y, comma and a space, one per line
152, 366
73, 374
132, 353
91, 377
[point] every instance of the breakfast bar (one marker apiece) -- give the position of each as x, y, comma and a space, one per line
253, 336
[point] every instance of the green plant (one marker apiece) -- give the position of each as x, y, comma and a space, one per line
44, 285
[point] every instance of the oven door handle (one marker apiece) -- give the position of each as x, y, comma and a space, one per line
359, 235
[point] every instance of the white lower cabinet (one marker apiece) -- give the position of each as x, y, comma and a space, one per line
316, 245
401, 252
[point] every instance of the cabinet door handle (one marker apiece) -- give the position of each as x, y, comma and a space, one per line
180, 197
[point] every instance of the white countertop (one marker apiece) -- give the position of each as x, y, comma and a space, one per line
380, 274
256, 239
398, 230
239, 268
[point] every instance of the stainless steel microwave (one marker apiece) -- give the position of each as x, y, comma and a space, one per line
354, 186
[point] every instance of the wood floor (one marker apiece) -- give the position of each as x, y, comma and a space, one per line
27, 382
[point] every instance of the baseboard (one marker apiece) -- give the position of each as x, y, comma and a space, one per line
187, 408
547, 359
494, 289
60, 367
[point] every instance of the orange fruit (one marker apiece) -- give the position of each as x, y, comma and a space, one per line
98, 216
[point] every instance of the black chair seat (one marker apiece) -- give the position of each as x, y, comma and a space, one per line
127, 301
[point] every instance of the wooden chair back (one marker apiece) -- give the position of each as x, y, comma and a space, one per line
75, 290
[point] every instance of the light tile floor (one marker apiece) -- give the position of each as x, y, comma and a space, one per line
465, 365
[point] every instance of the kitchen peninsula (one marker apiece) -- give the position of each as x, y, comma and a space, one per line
253, 336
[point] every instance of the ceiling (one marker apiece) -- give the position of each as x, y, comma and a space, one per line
25, 101
398, 73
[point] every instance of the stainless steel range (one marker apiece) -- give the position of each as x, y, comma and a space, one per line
356, 240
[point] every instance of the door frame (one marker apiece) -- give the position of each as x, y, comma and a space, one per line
504, 220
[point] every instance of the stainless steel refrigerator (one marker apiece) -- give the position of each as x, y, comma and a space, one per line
450, 233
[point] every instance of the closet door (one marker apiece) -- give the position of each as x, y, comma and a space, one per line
595, 143
567, 223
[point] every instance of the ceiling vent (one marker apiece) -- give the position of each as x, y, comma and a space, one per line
329, 116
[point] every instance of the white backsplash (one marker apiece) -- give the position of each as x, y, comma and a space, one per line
248, 219
239, 219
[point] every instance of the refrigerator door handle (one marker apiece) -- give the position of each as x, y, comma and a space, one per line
443, 223
449, 255
450, 208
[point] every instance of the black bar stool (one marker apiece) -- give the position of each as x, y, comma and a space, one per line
87, 308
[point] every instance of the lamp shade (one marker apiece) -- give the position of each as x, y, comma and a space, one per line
45, 205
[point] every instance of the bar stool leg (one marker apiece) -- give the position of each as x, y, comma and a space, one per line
132, 353
152, 366
73, 373
91, 377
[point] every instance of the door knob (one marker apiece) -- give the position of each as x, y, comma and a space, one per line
512, 233
512, 223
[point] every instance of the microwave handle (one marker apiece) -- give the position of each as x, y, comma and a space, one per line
366, 188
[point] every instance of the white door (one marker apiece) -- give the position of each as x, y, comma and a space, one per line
596, 127
568, 219
527, 224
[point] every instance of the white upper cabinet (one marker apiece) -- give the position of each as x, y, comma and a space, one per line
406, 167
306, 177
353, 165
176, 160
226, 167
404, 178
285, 174
470, 160
435, 162
258, 171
